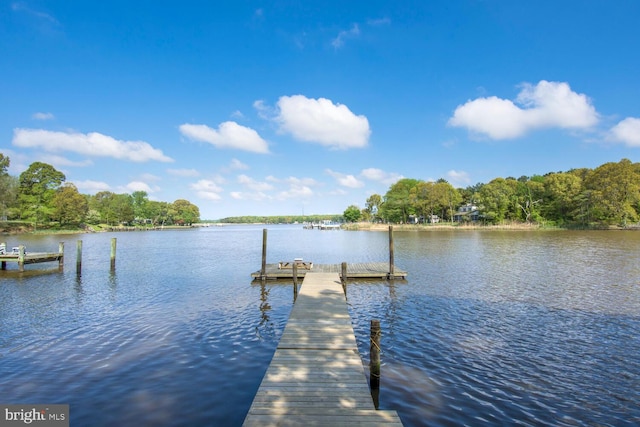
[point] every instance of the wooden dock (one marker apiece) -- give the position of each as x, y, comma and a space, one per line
22, 258
368, 270
316, 376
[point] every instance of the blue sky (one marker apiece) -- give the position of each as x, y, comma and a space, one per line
282, 107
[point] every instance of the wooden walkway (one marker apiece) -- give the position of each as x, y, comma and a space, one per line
316, 377
23, 258
368, 270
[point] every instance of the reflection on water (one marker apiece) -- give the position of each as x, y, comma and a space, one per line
490, 327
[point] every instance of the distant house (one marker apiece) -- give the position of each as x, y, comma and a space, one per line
468, 212
431, 219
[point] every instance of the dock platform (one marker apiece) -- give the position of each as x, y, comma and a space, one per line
316, 376
368, 270
22, 257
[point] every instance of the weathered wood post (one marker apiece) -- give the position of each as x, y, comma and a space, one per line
344, 277
374, 361
295, 280
21, 258
3, 245
263, 269
61, 256
113, 253
391, 255
79, 257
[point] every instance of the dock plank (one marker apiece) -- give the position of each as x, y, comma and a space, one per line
316, 377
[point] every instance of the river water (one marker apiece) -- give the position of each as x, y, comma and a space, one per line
490, 327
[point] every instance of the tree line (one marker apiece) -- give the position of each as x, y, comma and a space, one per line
606, 195
41, 196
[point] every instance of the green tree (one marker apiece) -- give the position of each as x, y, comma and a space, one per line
69, 206
561, 192
8, 189
140, 202
497, 199
104, 203
37, 187
184, 212
397, 204
616, 190
372, 206
352, 214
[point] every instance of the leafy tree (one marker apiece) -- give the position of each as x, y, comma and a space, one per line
69, 206
140, 202
372, 206
8, 189
497, 199
397, 204
184, 212
37, 186
104, 203
616, 189
529, 196
561, 192
352, 214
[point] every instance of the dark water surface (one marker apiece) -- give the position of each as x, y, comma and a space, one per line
491, 328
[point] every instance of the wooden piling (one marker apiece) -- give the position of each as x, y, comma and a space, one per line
21, 258
61, 258
113, 253
391, 254
79, 257
3, 266
343, 277
263, 269
374, 361
295, 273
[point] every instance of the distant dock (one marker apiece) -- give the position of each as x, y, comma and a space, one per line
316, 376
21, 257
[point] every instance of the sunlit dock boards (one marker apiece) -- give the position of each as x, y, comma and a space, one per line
316, 377
368, 270
22, 258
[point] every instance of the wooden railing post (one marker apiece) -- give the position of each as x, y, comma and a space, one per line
374, 361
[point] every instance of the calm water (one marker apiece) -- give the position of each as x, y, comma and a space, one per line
493, 328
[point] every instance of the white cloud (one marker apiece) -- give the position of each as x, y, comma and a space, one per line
60, 162
296, 192
229, 135
256, 196
338, 42
344, 180
138, 186
322, 121
545, 105
375, 174
254, 185
458, 178
237, 165
627, 131
90, 144
43, 116
207, 189
187, 173
91, 187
